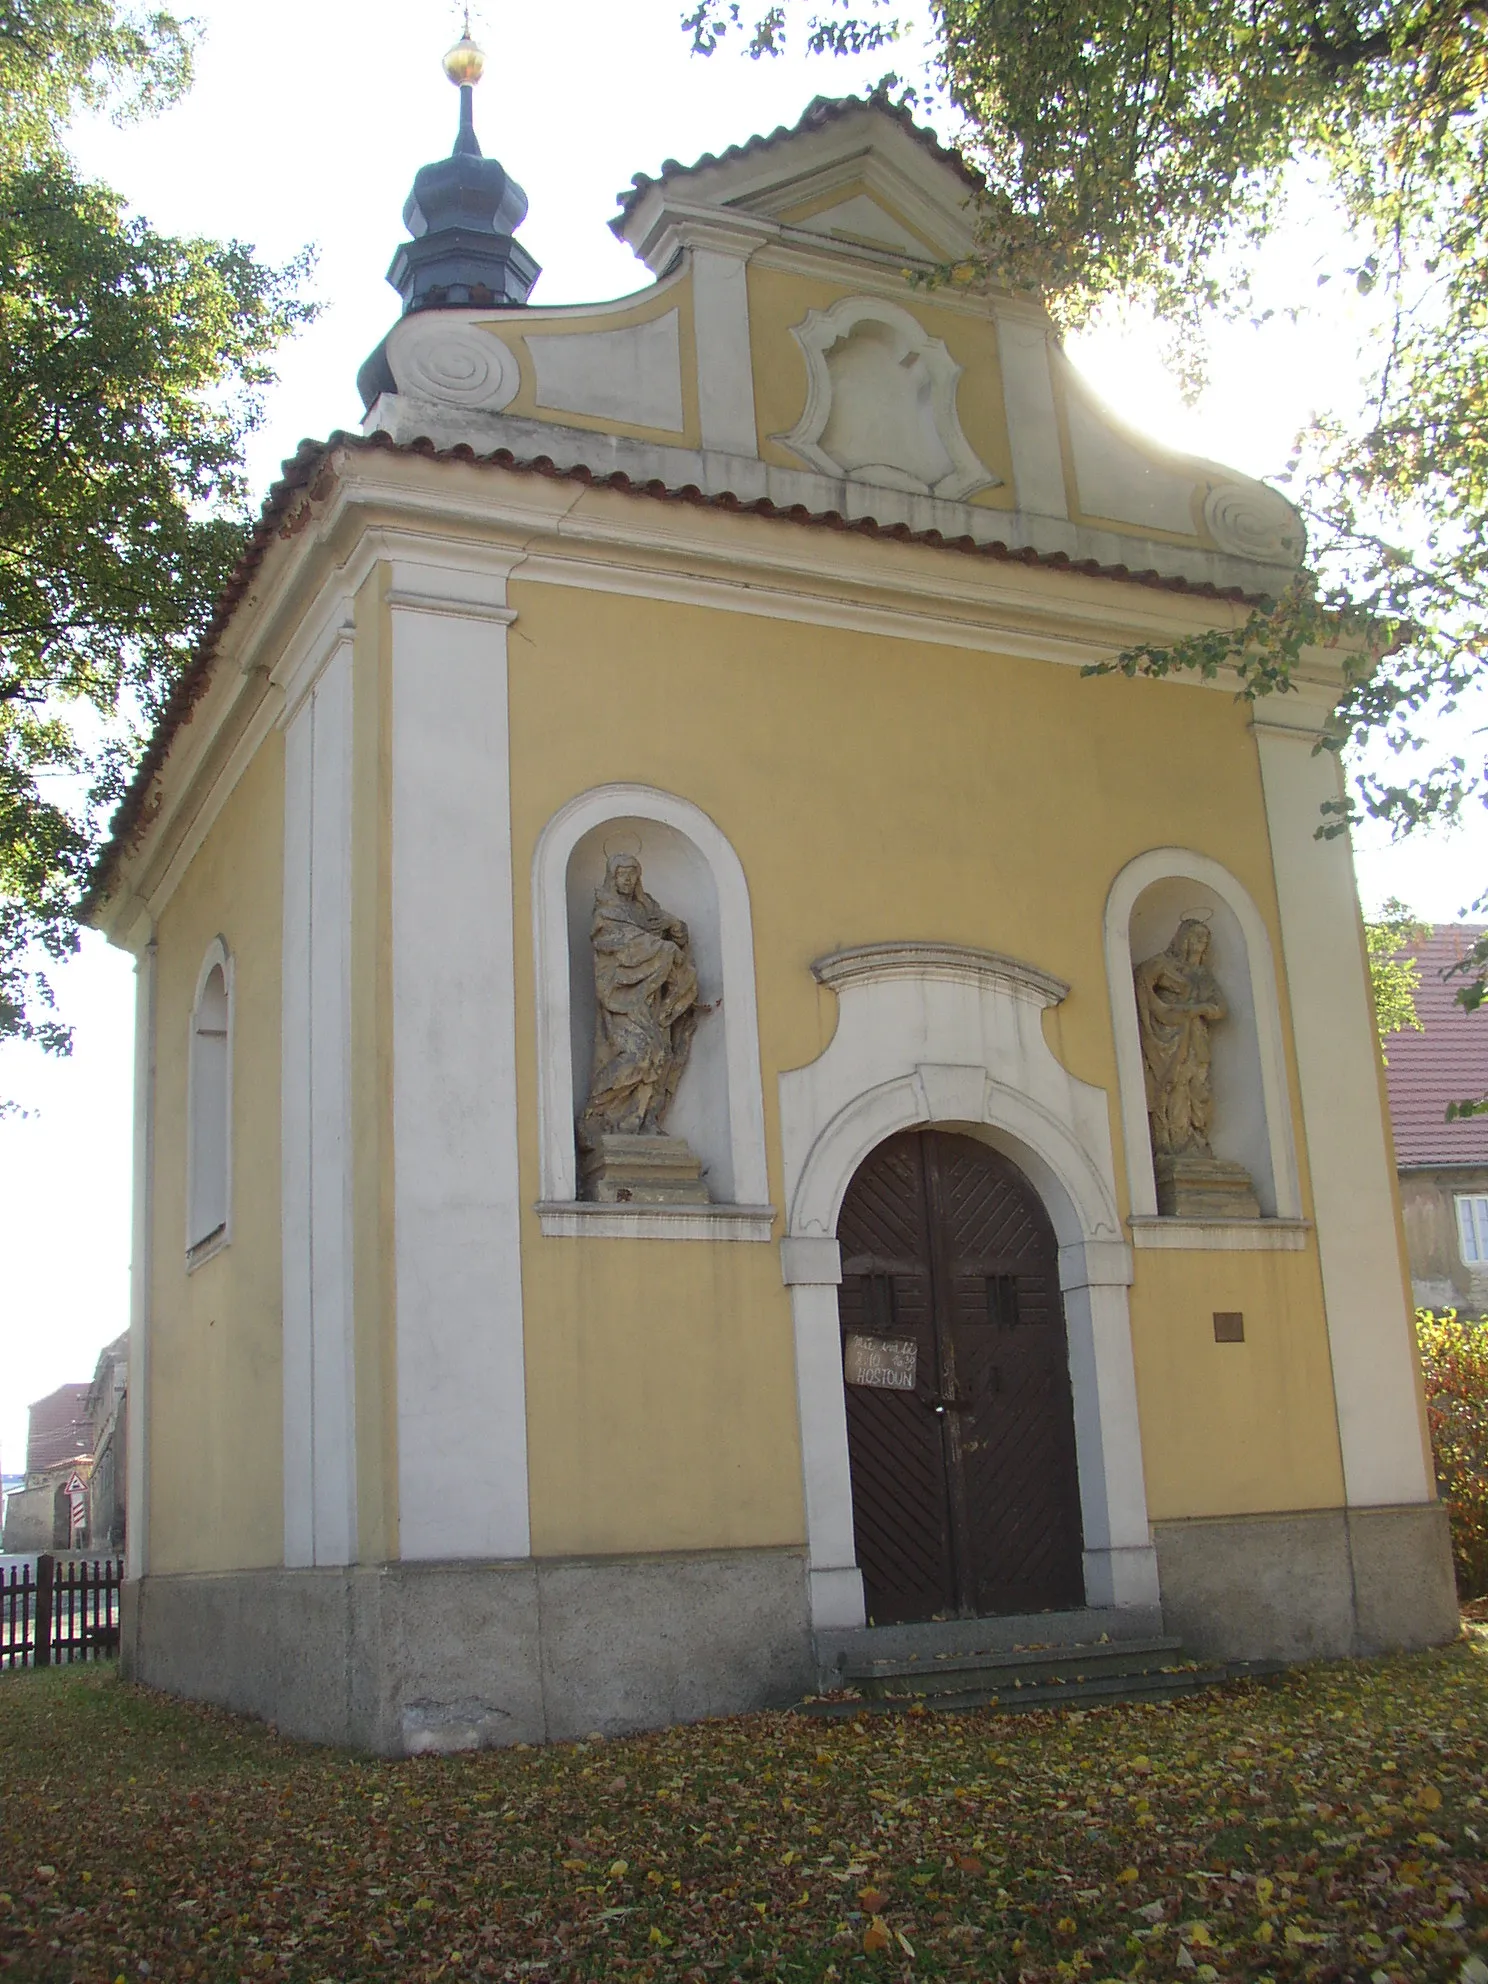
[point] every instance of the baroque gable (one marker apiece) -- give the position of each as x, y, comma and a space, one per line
798, 347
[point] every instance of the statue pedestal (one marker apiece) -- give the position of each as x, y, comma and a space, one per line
642, 1171
1194, 1187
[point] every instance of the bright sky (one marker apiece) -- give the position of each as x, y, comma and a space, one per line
306, 125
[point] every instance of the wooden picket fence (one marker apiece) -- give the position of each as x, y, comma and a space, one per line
59, 1612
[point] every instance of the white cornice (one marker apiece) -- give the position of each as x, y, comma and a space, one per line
749, 479
245, 698
872, 964
453, 534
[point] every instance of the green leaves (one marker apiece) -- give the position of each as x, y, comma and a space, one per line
133, 362
1454, 1368
1394, 976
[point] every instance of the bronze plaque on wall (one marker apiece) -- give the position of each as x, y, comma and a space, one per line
887, 1362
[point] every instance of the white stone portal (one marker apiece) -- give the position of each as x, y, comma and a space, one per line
935, 1033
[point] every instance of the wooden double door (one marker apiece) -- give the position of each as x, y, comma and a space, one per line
960, 1422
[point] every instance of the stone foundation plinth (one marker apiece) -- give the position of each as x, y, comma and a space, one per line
402, 1658
1312, 1585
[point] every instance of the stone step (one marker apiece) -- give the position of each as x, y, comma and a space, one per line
1015, 1699
1166, 1678
958, 1638
945, 1673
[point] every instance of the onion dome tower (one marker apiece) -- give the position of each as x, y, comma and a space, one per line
462, 215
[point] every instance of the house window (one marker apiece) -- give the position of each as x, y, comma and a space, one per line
1472, 1227
209, 1105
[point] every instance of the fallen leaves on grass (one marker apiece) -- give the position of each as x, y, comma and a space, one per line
1331, 1828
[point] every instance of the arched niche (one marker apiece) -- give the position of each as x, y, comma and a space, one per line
1252, 1120
677, 875
689, 866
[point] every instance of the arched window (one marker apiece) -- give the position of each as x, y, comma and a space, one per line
209, 1107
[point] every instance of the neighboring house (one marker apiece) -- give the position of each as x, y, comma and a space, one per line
1443, 1166
108, 1425
51, 1511
712, 658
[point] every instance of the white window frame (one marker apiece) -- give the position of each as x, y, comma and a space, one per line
1472, 1228
200, 1246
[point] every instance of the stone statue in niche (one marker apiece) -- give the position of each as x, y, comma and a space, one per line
646, 1011
1179, 1002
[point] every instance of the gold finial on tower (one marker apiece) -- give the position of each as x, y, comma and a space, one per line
465, 63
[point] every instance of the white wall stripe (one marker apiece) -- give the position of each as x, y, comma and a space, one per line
319, 1370
462, 1425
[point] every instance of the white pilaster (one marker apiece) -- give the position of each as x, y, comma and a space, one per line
319, 1342
1120, 1562
462, 1428
1353, 1191
725, 367
812, 1268
1033, 424
137, 1408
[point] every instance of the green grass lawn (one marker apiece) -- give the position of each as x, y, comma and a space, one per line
1330, 1827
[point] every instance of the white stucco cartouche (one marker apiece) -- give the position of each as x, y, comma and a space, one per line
1364, 1286
937, 1034
881, 402
462, 1421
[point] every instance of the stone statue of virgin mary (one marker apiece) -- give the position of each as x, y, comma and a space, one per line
646, 1007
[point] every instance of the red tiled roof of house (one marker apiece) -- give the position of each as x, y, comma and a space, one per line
60, 1428
1446, 1063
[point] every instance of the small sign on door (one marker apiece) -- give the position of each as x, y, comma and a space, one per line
886, 1362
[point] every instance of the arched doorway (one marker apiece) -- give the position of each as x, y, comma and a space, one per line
961, 1434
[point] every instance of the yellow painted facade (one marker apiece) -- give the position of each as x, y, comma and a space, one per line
899, 745
217, 1391
1018, 792
661, 1407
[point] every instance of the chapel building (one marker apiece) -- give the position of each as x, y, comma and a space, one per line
703, 1092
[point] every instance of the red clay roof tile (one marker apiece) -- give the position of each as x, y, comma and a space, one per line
1446, 1063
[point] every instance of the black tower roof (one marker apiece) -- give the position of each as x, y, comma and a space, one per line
462, 214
